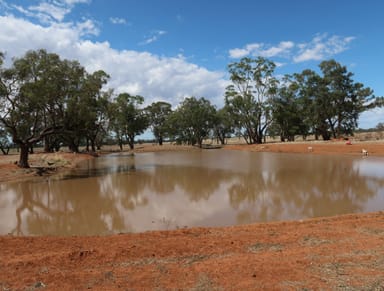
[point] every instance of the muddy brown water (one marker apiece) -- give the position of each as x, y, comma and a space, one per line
168, 190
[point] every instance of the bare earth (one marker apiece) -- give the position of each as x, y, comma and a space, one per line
338, 253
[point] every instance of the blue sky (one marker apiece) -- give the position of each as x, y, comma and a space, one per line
172, 49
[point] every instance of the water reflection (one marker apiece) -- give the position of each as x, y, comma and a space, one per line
303, 187
122, 193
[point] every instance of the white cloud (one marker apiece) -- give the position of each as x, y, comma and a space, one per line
371, 118
154, 77
57, 37
263, 50
322, 47
22, 10
117, 20
87, 27
280, 50
238, 53
46, 11
50, 11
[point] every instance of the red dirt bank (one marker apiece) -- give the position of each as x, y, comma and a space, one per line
343, 252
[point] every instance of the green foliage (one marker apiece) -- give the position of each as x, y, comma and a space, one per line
333, 101
288, 112
128, 118
223, 125
192, 121
87, 108
249, 98
343, 99
45, 98
31, 99
158, 113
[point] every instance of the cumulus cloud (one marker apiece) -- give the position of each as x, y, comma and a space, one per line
154, 77
56, 37
320, 47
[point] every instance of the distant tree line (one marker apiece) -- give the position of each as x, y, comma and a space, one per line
54, 102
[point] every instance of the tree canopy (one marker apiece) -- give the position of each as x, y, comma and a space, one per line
158, 113
129, 119
43, 96
32, 99
192, 121
249, 97
55, 102
333, 101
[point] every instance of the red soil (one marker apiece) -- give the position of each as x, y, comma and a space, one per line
344, 252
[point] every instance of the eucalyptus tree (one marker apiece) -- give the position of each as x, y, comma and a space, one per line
95, 102
306, 85
70, 110
223, 125
192, 121
158, 112
289, 111
128, 119
333, 101
85, 109
343, 100
32, 96
249, 96
44, 98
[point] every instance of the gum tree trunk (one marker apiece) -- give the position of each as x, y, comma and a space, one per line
24, 152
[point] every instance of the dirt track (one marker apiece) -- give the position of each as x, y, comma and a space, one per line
338, 253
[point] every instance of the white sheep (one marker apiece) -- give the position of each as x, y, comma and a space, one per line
310, 149
364, 152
